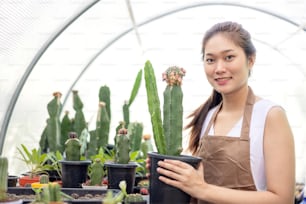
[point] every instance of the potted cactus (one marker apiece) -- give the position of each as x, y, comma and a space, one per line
3, 183
121, 168
74, 170
167, 132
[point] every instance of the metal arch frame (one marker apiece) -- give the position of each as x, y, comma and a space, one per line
14, 99
31, 66
167, 14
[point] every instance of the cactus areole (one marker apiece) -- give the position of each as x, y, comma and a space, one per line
167, 132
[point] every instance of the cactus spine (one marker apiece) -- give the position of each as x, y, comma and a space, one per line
154, 108
167, 133
122, 143
79, 118
135, 130
97, 173
102, 126
173, 110
3, 177
73, 147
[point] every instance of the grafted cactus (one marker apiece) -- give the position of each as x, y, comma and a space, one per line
146, 145
104, 95
96, 173
122, 146
102, 126
3, 178
73, 147
135, 130
167, 133
79, 118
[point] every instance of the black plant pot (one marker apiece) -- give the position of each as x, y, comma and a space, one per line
119, 172
161, 193
12, 181
74, 173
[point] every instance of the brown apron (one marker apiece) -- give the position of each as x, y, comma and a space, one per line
227, 159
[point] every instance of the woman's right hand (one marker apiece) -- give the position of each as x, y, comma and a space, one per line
148, 166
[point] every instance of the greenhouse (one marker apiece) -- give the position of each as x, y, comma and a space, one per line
72, 46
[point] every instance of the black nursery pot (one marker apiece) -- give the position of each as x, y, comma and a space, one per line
119, 172
161, 193
74, 173
12, 181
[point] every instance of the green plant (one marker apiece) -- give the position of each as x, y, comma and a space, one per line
35, 160
167, 132
73, 148
122, 147
110, 198
3, 178
96, 173
133, 197
50, 193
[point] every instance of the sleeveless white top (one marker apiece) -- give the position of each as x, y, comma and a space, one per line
260, 111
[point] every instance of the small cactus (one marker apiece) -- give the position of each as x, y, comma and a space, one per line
122, 143
102, 126
66, 127
43, 179
146, 145
3, 177
97, 173
135, 130
134, 197
73, 147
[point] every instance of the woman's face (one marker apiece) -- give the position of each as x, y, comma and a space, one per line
226, 65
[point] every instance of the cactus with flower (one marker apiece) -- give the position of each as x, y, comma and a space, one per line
167, 132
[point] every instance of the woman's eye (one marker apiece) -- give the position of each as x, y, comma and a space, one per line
209, 60
229, 58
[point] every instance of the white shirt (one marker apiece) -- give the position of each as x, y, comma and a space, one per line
260, 111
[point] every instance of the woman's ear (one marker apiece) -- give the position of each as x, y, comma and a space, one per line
251, 61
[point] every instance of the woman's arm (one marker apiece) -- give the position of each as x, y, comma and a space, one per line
280, 170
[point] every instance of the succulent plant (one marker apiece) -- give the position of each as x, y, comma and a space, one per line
146, 145
135, 130
79, 118
96, 173
122, 146
167, 132
104, 95
3, 177
133, 197
102, 126
73, 147
43, 179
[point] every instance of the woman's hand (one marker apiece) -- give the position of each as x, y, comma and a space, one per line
182, 175
148, 167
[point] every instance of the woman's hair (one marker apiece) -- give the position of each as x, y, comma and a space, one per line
241, 38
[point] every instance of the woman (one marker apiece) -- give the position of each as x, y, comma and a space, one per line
245, 141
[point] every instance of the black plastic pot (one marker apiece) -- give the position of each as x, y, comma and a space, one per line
161, 193
74, 173
12, 181
119, 172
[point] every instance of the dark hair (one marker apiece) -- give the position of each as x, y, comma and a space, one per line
241, 38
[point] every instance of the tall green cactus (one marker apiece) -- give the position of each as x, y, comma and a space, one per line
154, 108
73, 147
104, 95
50, 138
66, 127
3, 178
96, 173
135, 130
79, 118
168, 139
102, 126
122, 146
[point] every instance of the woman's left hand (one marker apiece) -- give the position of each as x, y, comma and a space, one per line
182, 175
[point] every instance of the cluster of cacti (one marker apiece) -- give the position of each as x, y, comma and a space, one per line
133, 197
52, 193
135, 130
3, 177
122, 147
50, 138
73, 147
96, 173
167, 132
